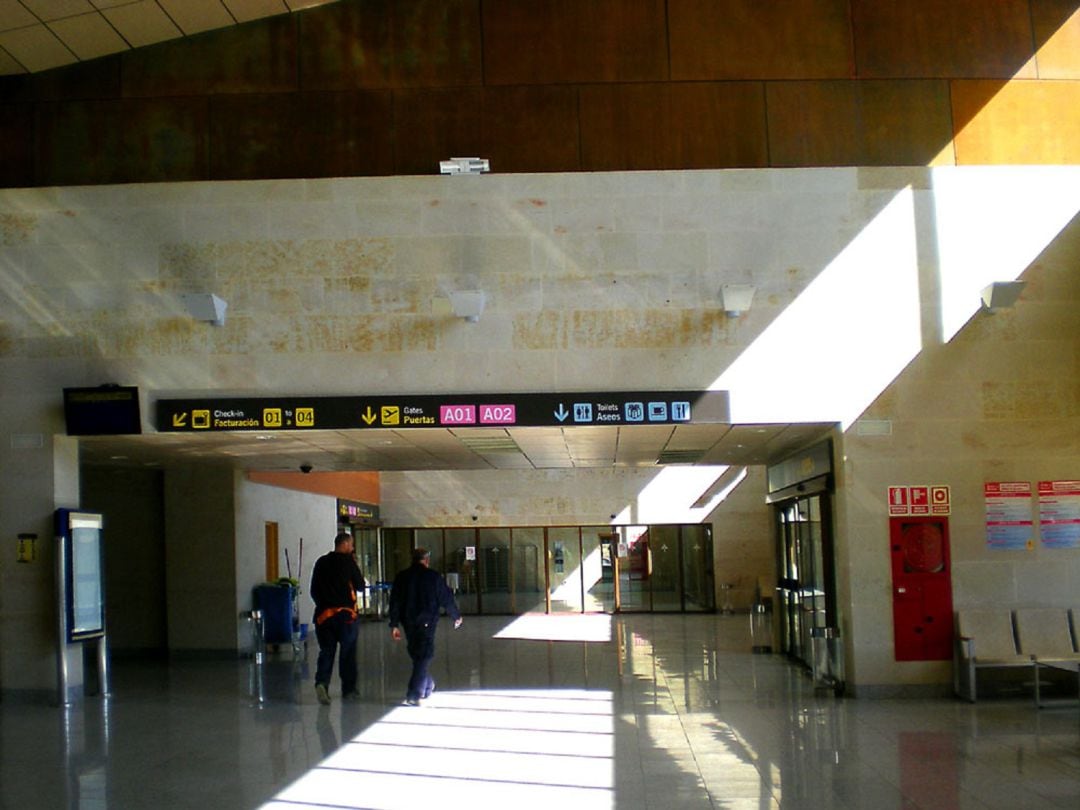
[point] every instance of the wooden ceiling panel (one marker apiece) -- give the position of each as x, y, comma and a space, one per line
17, 144
734, 39
78, 141
871, 123
564, 41
1011, 123
433, 125
531, 129
246, 59
1057, 38
391, 44
301, 135
165, 139
932, 38
673, 126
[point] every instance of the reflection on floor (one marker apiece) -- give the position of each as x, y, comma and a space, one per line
673, 712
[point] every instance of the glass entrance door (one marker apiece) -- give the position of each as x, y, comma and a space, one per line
698, 588
806, 590
636, 568
561, 569
598, 547
527, 570
565, 571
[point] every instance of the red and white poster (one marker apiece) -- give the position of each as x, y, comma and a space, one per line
1059, 514
1009, 524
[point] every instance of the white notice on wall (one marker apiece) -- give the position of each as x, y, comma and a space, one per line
1059, 514
1009, 524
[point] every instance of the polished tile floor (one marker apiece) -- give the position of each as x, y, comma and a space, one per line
633, 712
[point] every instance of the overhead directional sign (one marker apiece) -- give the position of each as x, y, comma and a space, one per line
442, 410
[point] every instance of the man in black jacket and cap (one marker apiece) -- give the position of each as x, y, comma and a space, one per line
417, 597
335, 581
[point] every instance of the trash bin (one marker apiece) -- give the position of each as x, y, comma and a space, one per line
761, 626
380, 598
726, 605
827, 659
275, 602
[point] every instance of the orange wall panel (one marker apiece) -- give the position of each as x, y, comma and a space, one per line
672, 126
868, 123
1017, 122
352, 486
562, 41
943, 39
736, 39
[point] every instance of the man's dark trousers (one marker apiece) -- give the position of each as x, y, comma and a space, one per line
420, 641
337, 631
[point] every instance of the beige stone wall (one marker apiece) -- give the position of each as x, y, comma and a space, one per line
864, 277
1000, 402
200, 559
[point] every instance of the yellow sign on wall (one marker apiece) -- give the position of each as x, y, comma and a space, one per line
27, 548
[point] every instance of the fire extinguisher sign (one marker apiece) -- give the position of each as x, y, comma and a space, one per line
921, 499
898, 501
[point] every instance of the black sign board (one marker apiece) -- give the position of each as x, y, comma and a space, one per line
105, 411
358, 512
442, 411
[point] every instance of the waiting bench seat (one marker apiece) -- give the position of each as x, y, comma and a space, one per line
985, 639
1044, 635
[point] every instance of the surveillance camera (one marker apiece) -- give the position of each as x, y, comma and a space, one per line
475, 517
306, 468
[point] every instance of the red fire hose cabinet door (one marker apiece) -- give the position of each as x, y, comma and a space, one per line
922, 588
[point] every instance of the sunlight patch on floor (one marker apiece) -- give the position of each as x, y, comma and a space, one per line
558, 627
484, 749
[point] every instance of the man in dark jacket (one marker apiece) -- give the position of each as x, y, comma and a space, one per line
335, 581
416, 599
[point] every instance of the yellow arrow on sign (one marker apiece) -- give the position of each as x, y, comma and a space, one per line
369, 416
179, 420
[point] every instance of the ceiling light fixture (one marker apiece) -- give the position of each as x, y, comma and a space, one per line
205, 307
1001, 294
736, 298
468, 304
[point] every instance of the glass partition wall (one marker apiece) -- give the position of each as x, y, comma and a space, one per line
568, 569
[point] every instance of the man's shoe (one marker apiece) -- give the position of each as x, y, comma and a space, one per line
351, 697
411, 702
322, 695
